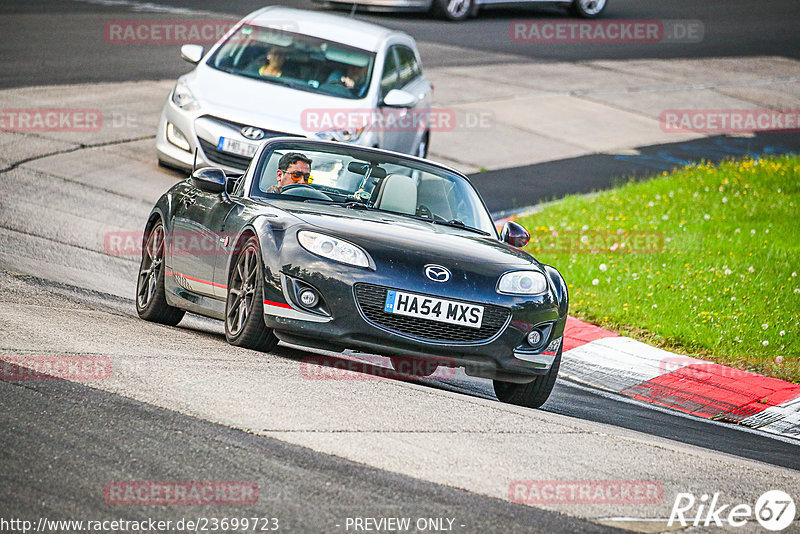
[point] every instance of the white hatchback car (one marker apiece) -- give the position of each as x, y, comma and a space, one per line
290, 72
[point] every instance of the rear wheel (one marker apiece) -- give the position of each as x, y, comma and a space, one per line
406, 365
532, 394
151, 302
455, 10
587, 9
244, 307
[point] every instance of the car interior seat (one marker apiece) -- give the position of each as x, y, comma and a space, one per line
397, 193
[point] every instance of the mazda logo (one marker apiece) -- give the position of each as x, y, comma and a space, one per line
437, 273
253, 133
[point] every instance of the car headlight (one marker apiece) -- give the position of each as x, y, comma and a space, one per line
183, 97
333, 248
345, 135
522, 283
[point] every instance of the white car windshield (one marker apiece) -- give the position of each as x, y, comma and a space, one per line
297, 61
366, 180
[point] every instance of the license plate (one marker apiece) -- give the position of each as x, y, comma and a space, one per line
234, 146
435, 309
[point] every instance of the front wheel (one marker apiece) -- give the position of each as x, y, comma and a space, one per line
244, 307
533, 394
587, 9
454, 10
151, 301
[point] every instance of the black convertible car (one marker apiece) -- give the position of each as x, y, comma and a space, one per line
330, 245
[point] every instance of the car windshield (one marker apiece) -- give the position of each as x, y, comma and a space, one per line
297, 61
357, 179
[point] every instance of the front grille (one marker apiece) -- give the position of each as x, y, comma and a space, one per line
372, 298
268, 134
223, 158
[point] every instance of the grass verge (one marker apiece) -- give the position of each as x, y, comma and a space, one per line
704, 261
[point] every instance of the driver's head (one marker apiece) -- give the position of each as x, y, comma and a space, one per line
293, 168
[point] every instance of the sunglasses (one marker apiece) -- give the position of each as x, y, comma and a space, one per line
297, 175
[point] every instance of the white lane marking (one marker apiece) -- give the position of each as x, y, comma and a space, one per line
629, 400
781, 419
150, 7
616, 363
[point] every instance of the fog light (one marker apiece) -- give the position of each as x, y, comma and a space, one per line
176, 137
534, 338
308, 298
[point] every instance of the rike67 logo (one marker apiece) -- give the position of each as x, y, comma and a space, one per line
774, 510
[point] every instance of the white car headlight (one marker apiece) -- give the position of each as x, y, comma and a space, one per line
333, 248
522, 283
345, 135
183, 97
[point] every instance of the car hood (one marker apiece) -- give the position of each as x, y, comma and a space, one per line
263, 104
409, 240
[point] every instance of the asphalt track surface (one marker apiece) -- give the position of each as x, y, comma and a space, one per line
62, 41
58, 436
551, 180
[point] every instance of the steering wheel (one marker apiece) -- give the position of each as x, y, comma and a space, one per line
424, 211
304, 190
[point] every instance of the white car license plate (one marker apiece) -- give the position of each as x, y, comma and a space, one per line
435, 309
234, 146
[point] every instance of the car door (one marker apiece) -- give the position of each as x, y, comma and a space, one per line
197, 239
410, 80
389, 136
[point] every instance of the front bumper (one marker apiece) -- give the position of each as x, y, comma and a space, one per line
343, 324
203, 130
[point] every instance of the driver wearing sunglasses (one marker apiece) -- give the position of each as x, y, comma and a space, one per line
293, 168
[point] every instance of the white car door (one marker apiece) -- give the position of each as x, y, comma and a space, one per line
411, 81
389, 135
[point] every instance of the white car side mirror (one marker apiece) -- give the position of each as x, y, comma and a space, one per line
397, 98
192, 53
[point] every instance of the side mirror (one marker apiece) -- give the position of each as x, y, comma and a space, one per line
397, 98
515, 234
210, 179
192, 53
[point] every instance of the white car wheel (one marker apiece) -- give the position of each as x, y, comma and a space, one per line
588, 9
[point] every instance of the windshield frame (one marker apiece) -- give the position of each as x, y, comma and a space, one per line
291, 83
259, 163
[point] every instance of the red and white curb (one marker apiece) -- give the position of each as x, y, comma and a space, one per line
607, 361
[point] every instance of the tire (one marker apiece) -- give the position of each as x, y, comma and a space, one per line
406, 365
244, 305
453, 10
587, 9
151, 301
532, 394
